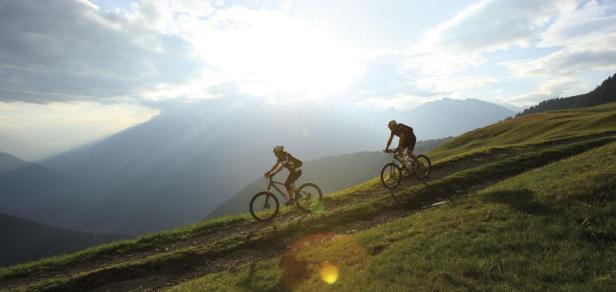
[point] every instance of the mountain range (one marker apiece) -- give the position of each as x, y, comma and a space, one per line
193, 157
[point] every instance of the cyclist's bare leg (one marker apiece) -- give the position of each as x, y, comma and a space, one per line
290, 192
401, 147
409, 152
400, 150
290, 183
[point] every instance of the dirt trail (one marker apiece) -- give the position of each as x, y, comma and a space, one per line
268, 249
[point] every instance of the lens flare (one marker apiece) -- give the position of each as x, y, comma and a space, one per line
329, 272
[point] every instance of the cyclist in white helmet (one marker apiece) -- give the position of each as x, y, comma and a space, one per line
292, 164
407, 139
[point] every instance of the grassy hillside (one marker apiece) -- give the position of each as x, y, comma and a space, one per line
503, 210
537, 128
550, 228
604, 93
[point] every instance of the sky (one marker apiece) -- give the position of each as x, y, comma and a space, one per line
75, 71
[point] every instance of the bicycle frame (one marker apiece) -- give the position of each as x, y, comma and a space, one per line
274, 184
395, 159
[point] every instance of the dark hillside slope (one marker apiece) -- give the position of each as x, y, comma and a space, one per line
34, 192
24, 240
9, 162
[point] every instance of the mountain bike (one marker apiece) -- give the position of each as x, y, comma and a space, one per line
392, 172
264, 205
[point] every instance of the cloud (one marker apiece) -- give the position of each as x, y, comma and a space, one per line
441, 61
165, 49
453, 86
400, 101
568, 61
31, 130
497, 24
587, 41
580, 37
70, 50
590, 21
558, 87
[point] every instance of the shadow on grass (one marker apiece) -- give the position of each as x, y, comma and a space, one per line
520, 200
392, 194
261, 226
299, 219
247, 283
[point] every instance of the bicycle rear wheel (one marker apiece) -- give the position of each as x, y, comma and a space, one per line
264, 206
309, 198
423, 167
391, 175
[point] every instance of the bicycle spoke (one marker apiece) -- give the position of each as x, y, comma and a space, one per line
309, 197
264, 206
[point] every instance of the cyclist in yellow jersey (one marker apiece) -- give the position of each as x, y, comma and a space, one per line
292, 164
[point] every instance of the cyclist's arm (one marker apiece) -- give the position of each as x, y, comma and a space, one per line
391, 137
275, 169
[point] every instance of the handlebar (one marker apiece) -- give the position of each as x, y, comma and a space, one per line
270, 180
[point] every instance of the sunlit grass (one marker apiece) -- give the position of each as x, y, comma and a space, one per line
537, 128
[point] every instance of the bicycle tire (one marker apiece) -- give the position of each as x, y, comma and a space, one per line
425, 165
257, 213
388, 170
309, 204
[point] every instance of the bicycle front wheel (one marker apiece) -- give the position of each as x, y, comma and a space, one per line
309, 198
423, 167
391, 175
264, 206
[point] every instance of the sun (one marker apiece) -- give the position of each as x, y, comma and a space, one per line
270, 53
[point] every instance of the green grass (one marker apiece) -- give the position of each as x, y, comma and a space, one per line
537, 128
548, 229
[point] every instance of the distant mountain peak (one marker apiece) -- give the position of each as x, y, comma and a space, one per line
448, 102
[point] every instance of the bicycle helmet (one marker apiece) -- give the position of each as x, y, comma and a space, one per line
278, 149
392, 124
